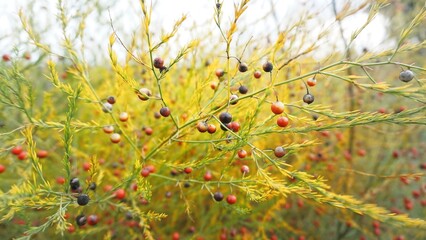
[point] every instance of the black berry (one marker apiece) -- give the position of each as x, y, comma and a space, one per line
92, 186
308, 98
243, 89
242, 67
218, 196
406, 75
111, 99
225, 117
83, 199
267, 67
74, 183
81, 220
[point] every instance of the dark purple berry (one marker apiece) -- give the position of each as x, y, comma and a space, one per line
243, 89
81, 220
242, 67
218, 196
225, 117
83, 199
267, 67
308, 98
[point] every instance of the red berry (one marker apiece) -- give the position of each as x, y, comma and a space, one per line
282, 121
277, 107
22, 155
92, 220
145, 172
208, 176
124, 116
27, 55
279, 152
120, 193
115, 138
60, 180
213, 85
71, 229
6, 57
188, 170
242, 153
86, 166
211, 128
175, 236
361, 152
108, 129
234, 126
2, 168
231, 199
165, 111
148, 131
219, 73
158, 63
245, 169
16, 150
257, 74
151, 168
42, 153
312, 82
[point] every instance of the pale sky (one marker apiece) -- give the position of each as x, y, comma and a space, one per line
126, 15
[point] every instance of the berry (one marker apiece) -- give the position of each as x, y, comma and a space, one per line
234, 126
71, 229
279, 152
157, 115
16, 150
158, 63
225, 117
218, 196
22, 155
282, 121
111, 99
92, 220
74, 183
277, 107
231, 199
245, 169
92, 186
257, 74
60, 180
243, 89
86, 166
115, 138
219, 72
108, 129
120, 193
202, 126
312, 82
267, 66
42, 153
188, 170
208, 176
165, 111
144, 94
308, 98
124, 116
83, 199
242, 67
2, 168
233, 99
6, 57
145, 172
175, 236
211, 128
81, 220
213, 85
148, 131
242, 153
406, 75
107, 107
